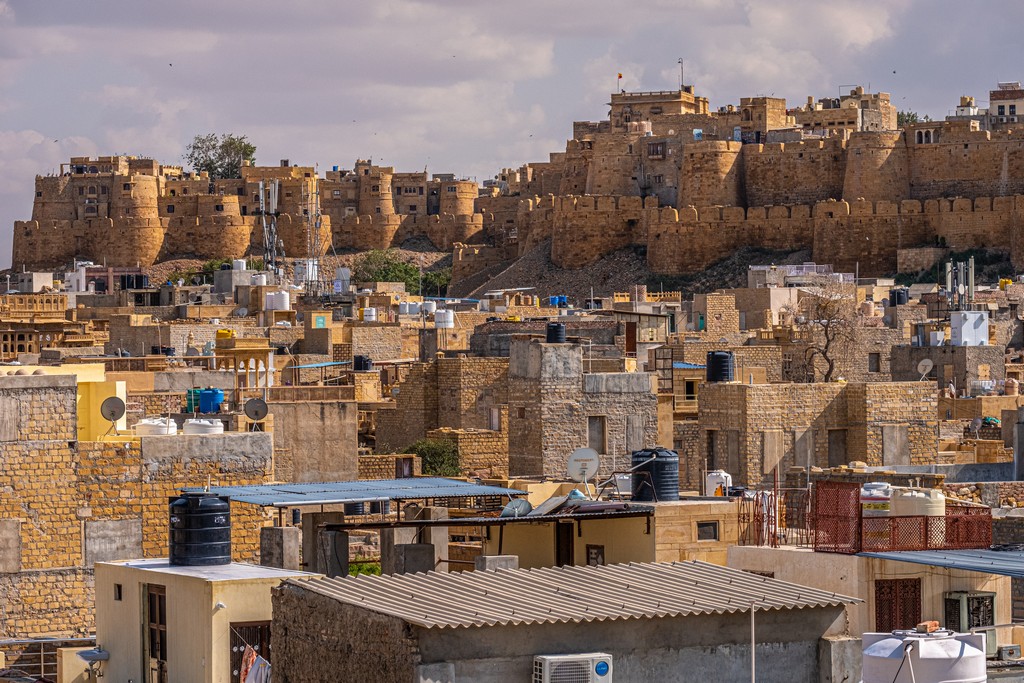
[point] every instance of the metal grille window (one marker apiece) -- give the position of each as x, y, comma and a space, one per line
897, 604
966, 611
256, 634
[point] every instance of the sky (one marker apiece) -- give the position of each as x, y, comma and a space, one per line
455, 86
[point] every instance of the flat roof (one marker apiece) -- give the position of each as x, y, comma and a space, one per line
569, 594
360, 491
236, 571
1001, 562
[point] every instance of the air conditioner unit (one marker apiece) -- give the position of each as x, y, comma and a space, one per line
595, 667
972, 612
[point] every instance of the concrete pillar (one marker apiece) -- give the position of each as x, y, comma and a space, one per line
279, 546
486, 563
310, 528
414, 557
436, 536
389, 540
332, 553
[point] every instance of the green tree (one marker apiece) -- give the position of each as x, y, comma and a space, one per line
220, 155
383, 265
435, 282
440, 457
905, 118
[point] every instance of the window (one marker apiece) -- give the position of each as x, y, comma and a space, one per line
81, 190
126, 187
874, 362
117, 592
1002, 110
336, 193
595, 555
657, 179
253, 633
184, 190
707, 531
521, 413
656, 149
897, 604
1013, 110
690, 390
39, 194
240, 191
90, 209
377, 210
412, 208
596, 434
451, 188
375, 188
170, 208
218, 207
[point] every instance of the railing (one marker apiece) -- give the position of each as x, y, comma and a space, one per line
828, 518
37, 657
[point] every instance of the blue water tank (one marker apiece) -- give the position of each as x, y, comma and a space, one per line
720, 366
658, 467
210, 400
200, 530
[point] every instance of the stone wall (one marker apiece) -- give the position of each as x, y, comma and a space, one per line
754, 429
383, 466
63, 501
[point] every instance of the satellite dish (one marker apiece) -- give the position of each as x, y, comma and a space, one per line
583, 464
961, 290
924, 367
241, 312
255, 409
517, 507
112, 409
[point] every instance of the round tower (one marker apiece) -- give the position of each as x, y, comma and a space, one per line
711, 174
134, 197
458, 197
375, 197
876, 167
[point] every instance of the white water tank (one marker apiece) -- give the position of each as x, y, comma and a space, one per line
918, 503
403, 308
715, 480
284, 301
444, 320
370, 315
414, 308
925, 657
238, 264
155, 426
258, 280
269, 301
429, 307
204, 427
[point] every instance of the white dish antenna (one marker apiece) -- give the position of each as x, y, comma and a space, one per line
517, 507
924, 367
583, 464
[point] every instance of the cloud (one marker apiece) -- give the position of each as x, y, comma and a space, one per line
458, 85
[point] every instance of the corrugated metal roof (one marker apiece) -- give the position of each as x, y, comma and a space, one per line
325, 364
682, 365
332, 492
569, 594
1001, 562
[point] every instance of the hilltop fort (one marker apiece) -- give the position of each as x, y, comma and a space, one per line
663, 173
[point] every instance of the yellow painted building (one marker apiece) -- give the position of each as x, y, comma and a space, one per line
162, 623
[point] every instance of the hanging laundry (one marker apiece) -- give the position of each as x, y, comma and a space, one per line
248, 658
260, 672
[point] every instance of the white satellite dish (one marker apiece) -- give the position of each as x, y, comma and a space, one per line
517, 507
961, 289
583, 464
924, 367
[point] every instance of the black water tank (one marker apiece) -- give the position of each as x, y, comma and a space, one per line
899, 296
355, 509
200, 530
663, 471
380, 507
720, 366
362, 363
555, 333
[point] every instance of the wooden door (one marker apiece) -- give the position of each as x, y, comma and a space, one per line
156, 624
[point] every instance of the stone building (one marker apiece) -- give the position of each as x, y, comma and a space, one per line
673, 622
68, 503
555, 407
754, 431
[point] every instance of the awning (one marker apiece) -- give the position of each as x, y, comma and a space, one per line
1001, 562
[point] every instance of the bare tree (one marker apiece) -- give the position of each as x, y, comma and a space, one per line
826, 322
